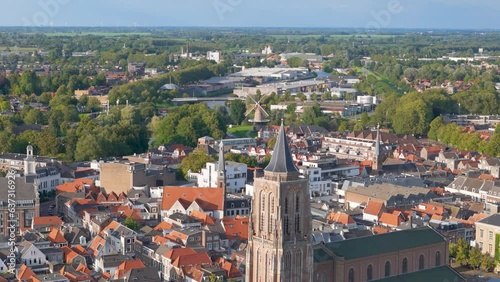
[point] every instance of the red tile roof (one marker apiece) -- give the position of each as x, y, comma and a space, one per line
374, 208
83, 201
163, 226
126, 266
25, 272
380, 230
173, 254
487, 177
112, 197
84, 269
74, 186
204, 218
192, 259
96, 243
207, 198
159, 240
106, 275
177, 236
391, 219
430, 209
412, 158
133, 214
112, 225
340, 217
236, 227
231, 270
69, 254
56, 236
438, 190
477, 217
47, 220
122, 197
80, 250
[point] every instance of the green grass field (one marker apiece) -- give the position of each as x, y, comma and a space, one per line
18, 49
104, 34
241, 131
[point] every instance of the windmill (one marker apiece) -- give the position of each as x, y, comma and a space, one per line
260, 116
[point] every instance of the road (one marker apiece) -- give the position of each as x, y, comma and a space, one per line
44, 207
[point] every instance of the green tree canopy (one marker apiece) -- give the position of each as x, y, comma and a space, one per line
131, 223
194, 162
237, 111
188, 123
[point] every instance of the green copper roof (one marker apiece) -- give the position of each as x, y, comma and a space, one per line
385, 243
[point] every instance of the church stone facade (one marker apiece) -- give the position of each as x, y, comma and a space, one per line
279, 247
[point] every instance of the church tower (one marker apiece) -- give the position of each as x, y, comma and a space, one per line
30, 177
29, 162
221, 173
376, 165
279, 247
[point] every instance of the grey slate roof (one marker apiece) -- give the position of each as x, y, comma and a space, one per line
147, 274
493, 219
25, 188
113, 260
281, 160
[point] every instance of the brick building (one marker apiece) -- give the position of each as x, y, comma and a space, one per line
120, 176
27, 202
384, 256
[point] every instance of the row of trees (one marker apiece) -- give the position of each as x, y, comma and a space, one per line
87, 141
455, 136
471, 257
149, 90
69, 78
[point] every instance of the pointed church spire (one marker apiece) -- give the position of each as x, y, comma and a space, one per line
281, 160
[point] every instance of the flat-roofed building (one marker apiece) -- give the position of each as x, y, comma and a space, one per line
120, 176
389, 194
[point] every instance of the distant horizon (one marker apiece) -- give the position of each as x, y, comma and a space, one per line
350, 28
357, 14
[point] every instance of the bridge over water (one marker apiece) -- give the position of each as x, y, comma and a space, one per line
210, 101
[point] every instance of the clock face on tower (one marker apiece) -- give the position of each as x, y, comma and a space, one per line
294, 188
266, 187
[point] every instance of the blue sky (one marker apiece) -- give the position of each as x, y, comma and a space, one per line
456, 14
